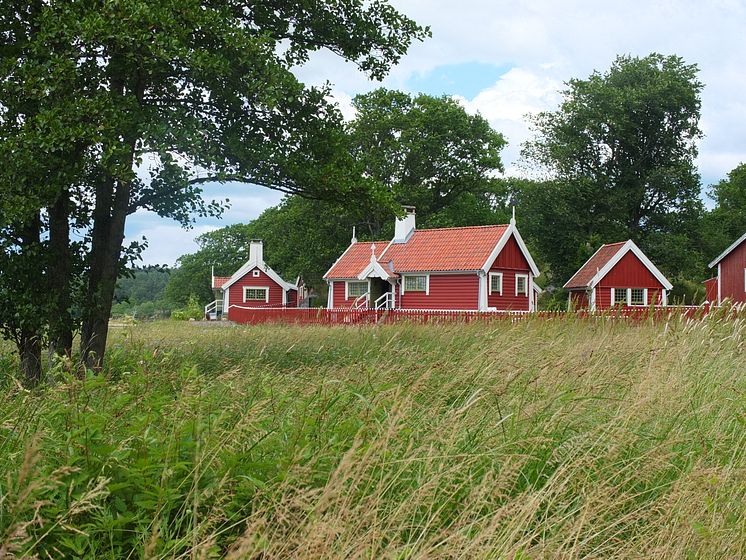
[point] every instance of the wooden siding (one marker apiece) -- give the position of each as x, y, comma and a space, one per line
447, 291
629, 272
510, 262
339, 294
292, 298
711, 289
732, 275
236, 290
579, 299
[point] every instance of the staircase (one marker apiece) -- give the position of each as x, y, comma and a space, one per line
214, 310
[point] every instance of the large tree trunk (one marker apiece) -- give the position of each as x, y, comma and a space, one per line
60, 265
29, 349
106, 248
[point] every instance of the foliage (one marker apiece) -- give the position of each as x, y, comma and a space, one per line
192, 310
420, 150
596, 439
187, 92
620, 150
727, 221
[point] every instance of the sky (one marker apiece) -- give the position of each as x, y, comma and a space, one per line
505, 60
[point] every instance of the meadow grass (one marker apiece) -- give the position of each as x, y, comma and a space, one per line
564, 438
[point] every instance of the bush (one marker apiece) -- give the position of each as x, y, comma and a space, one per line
193, 310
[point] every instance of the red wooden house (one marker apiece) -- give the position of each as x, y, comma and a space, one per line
618, 274
253, 285
731, 277
486, 268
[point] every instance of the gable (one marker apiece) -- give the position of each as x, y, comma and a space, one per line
248, 279
630, 272
511, 256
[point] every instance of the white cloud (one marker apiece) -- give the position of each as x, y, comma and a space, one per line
166, 243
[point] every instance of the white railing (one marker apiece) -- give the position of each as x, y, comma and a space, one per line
213, 308
386, 301
361, 301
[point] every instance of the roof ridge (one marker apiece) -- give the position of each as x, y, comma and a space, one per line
463, 227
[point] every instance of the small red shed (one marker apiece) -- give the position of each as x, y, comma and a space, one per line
485, 268
731, 277
618, 274
255, 284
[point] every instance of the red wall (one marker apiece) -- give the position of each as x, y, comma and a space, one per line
447, 291
339, 295
711, 289
579, 299
629, 272
510, 262
732, 275
235, 292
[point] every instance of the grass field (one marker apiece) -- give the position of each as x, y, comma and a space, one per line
558, 438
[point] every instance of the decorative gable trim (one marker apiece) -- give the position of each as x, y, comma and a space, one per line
626, 248
728, 251
511, 230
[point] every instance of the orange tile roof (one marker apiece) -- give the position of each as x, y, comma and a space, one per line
444, 249
427, 250
354, 259
218, 281
582, 278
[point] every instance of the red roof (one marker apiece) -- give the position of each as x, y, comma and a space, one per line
582, 278
218, 281
354, 259
427, 250
461, 248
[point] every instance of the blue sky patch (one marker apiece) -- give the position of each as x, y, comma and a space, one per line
466, 79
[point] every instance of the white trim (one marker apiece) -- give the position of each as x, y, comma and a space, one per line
266, 293
593, 299
226, 296
374, 269
531, 293
525, 276
326, 274
581, 268
427, 283
250, 265
489, 284
511, 230
347, 287
728, 251
256, 273
330, 295
664, 298
612, 262
482, 300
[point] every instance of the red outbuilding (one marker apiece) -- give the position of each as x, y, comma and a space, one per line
731, 268
486, 268
253, 285
618, 274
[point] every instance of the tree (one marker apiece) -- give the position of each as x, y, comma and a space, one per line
427, 152
729, 213
186, 92
620, 150
418, 150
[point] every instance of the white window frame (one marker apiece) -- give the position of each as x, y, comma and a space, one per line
427, 283
525, 277
644, 297
266, 293
347, 287
615, 291
255, 273
489, 285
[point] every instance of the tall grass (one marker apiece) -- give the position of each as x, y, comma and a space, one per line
560, 438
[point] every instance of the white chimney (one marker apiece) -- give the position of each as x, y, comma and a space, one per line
404, 227
256, 251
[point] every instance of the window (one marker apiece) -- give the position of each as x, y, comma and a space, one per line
255, 294
620, 296
496, 283
415, 283
356, 289
521, 285
256, 273
637, 296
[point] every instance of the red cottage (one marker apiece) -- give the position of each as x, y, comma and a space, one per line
618, 274
485, 268
253, 285
731, 278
